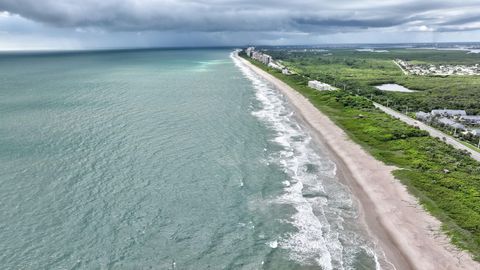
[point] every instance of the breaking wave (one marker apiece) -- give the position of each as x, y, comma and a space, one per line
326, 234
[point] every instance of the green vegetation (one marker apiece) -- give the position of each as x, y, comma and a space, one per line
467, 139
445, 180
359, 72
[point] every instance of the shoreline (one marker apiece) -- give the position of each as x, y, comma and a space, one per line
409, 236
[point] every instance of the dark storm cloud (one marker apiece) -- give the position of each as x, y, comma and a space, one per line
352, 23
234, 15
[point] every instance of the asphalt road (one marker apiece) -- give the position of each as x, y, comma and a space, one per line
433, 131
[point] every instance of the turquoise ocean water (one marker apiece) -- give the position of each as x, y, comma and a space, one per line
163, 159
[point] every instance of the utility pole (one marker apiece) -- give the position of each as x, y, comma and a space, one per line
455, 132
406, 110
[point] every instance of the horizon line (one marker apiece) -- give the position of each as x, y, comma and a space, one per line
93, 49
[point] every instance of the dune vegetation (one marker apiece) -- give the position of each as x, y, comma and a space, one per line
358, 72
445, 180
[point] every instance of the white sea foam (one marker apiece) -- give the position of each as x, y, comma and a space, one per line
273, 244
321, 203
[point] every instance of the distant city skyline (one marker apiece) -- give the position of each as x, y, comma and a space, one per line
37, 25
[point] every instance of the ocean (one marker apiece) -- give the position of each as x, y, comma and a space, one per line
164, 159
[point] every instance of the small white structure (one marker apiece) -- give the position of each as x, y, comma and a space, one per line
274, 65
449, 113
475, 132
285, 71
320, 86
471, 119
450, 123
423, 116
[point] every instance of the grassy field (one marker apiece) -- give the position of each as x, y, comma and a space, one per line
445, 180
359, 72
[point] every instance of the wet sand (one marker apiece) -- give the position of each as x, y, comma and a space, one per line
410, 237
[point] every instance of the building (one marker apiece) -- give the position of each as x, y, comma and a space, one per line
320, 86
475, 132
440, 70
249, 51
471, 119
285, 71
267, 60
423, 116
450, 123
275, 65
448, 113
262, 57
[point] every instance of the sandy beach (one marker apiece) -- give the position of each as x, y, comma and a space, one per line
410, 237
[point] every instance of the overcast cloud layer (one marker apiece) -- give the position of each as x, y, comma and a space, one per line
97, 23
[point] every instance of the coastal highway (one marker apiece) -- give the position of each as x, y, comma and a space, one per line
432, 131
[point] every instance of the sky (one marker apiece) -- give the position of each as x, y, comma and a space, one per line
94, 24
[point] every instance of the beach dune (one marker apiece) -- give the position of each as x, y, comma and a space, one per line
410, 237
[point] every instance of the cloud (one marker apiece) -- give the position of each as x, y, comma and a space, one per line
124, 23
248, 15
